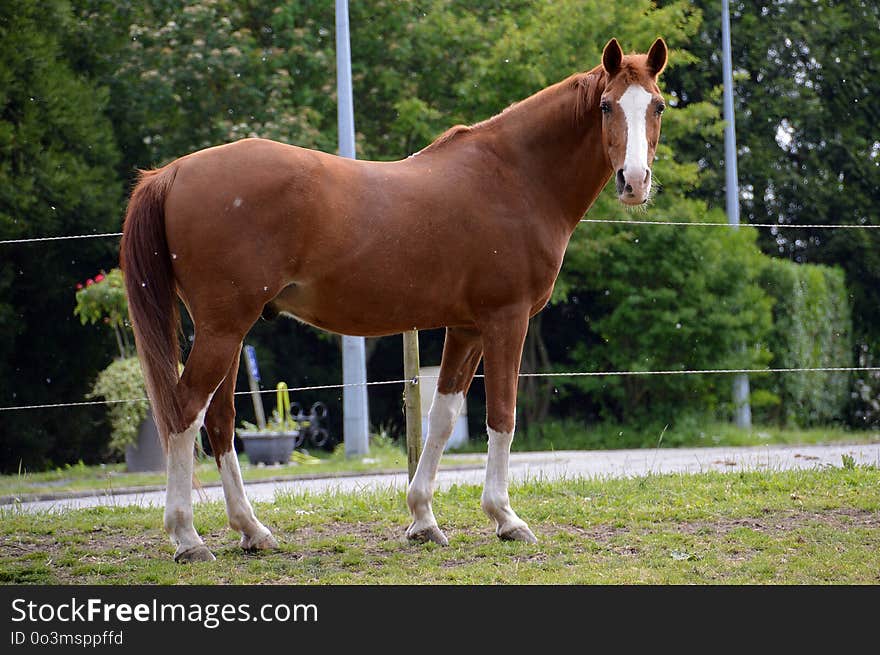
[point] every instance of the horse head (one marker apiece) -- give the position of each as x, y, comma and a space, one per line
631, 107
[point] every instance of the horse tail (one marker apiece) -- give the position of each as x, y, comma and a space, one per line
152, 295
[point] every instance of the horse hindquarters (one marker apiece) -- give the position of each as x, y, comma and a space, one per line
180, 405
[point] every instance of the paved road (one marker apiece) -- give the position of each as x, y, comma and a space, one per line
531, 466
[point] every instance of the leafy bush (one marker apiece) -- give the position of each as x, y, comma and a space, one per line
665, 298
811, 329
122, 380
102, 299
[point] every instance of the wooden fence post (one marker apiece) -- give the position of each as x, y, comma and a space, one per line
412, 402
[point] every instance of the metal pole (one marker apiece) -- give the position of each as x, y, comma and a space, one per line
412, 400
355, 411
742, 409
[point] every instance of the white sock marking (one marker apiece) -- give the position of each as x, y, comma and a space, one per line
238, 508
495, 500
445, 409
178, 494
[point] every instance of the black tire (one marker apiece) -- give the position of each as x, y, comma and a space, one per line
319, 438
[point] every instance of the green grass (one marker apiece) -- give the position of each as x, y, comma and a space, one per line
573, 435
384, 455
818, 526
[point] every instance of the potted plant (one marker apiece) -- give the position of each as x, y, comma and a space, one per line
133, 432
276, 441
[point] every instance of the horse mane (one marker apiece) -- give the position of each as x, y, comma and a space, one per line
588, 87
447, 136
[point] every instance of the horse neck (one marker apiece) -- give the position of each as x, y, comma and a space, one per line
557, 143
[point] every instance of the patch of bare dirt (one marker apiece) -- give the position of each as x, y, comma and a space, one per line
843, 518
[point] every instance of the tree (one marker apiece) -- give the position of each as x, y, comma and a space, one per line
57, 159
805, 76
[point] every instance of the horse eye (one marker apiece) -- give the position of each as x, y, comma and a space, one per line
605, 106
660, 108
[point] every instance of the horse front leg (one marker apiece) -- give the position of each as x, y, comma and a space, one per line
220, 423
503, 340
461, 355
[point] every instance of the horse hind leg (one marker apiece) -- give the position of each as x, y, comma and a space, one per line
461, 355
220, 423
205, 369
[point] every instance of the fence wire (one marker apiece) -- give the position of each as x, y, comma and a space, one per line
621, 221
322, 387
550, 374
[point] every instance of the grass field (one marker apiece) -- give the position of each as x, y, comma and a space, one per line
692, 433
819, 526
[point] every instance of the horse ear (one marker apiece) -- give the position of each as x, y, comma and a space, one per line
612, 56
657, 56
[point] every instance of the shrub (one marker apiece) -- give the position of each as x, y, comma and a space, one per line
812, 328
122, 380
666, 298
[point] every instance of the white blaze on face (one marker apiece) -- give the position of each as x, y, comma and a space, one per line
634, 103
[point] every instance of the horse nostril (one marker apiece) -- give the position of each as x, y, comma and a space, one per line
620, 181
647, 176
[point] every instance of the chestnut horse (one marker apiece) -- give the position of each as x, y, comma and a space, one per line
258, 227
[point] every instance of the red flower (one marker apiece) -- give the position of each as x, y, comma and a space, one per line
78, 286
89, 282
99, 277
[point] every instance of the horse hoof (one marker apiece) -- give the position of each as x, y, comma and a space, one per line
423, 536
198, 553
519, 533
264, 542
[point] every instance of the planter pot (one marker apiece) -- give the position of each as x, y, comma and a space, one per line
269, 447
146, 454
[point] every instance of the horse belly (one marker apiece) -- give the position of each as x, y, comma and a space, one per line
358, 312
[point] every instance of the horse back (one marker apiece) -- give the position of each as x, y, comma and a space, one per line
422, 242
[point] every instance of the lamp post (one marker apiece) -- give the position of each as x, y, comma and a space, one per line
742, 409
355, 411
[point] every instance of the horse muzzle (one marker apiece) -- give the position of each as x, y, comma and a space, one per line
633, 185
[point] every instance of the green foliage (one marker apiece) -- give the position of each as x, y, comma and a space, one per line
122, 380
664, 298
687, 431
274, 423
58, 162
805, 90
812, 328
103, 299
90, 90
